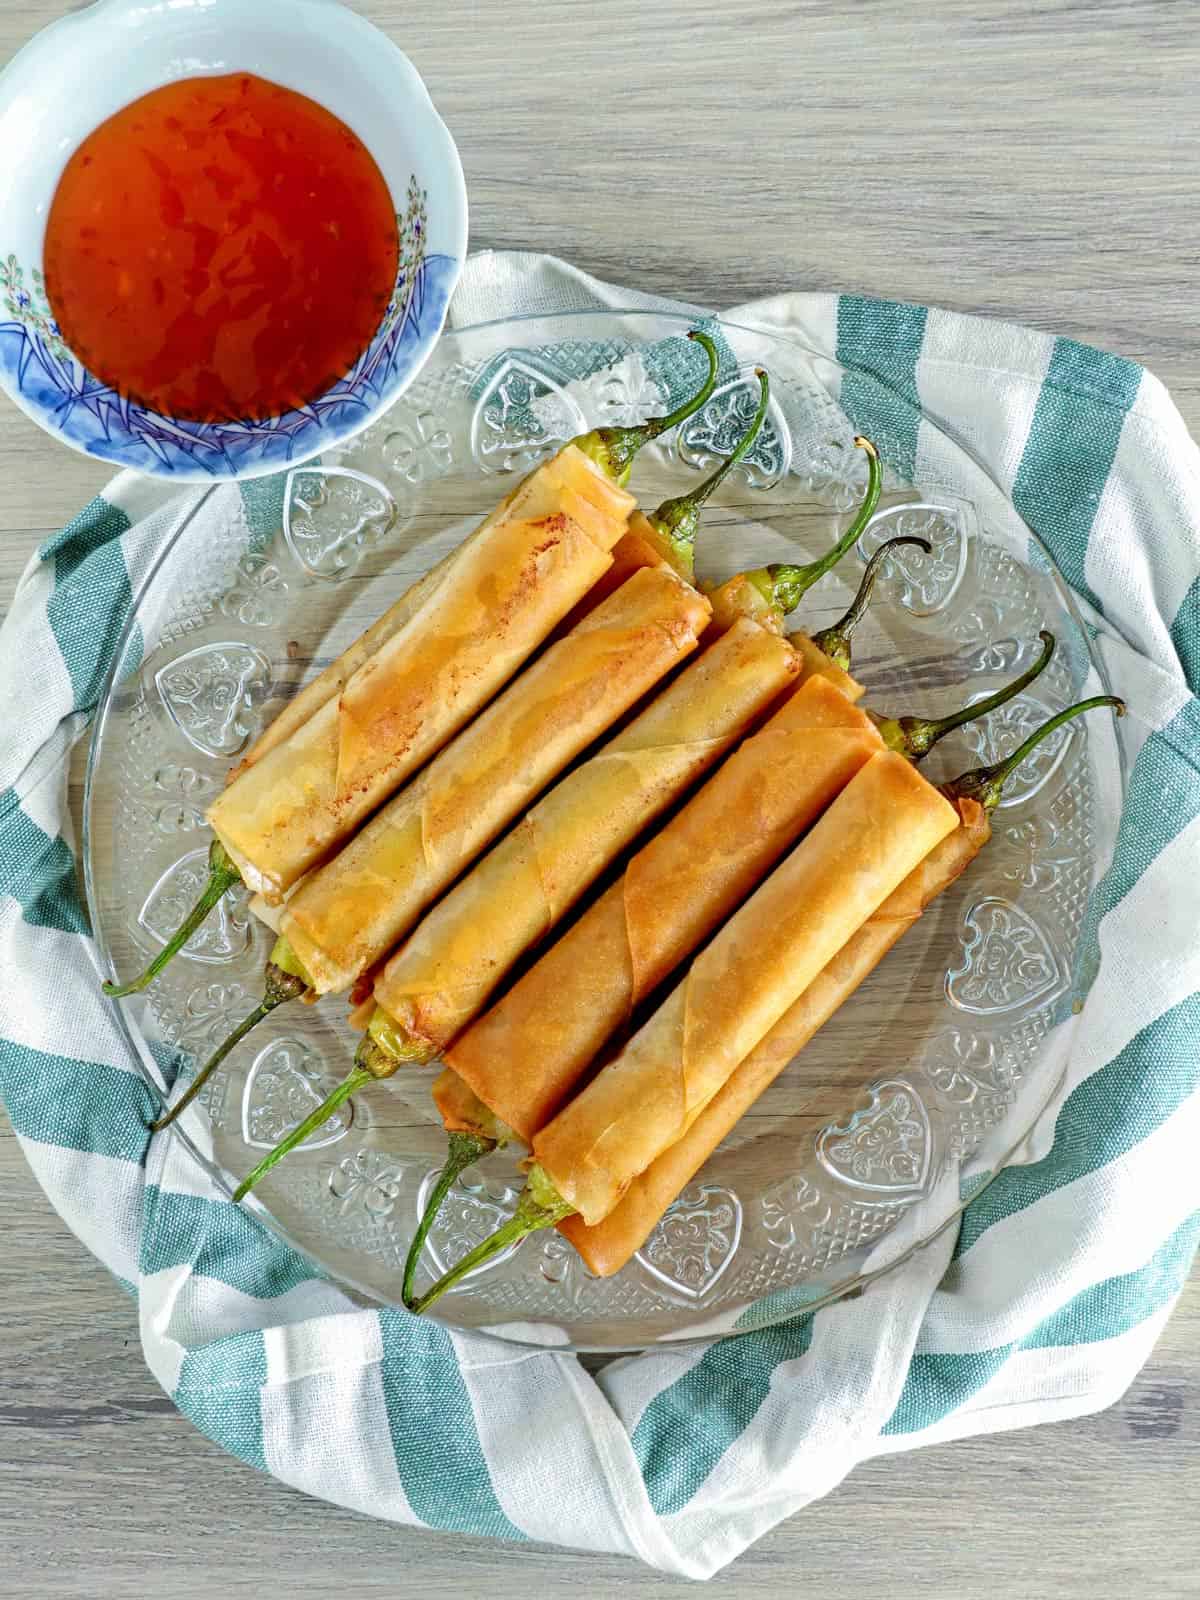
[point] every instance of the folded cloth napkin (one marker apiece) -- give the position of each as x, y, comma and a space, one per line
1043, 1305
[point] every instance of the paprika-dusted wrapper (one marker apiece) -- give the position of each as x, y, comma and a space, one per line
608, 1246
628, 555
879, 829
527, 1054
347, 916
447, 970
494, 602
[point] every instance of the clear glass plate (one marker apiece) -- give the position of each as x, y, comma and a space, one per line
901, 1107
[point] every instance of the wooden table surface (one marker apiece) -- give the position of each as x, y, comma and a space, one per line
1030, 161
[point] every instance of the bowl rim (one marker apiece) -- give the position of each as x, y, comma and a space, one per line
139, 1051
444, 179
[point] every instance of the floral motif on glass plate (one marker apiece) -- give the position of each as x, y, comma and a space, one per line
1008, 962
471, 1212
694, 1244
226, 931
333, 516
286, 1083
884, 1148
923, 584
714, 433
210, 694
521, 417
370, 1181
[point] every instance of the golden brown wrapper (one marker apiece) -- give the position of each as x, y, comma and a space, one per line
333, 679
460, 1108
526, 1055
814, 663
443, 975
495, 602
740, 596
350, 913
881, 826
629, 555
608, 1246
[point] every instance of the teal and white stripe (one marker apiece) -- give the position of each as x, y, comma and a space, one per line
1045, 1304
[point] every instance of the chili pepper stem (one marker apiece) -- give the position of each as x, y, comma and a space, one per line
531, 1215
465, 1149
915, 737
791, 583
614, 449
986, 784
676, 521
281, 987
222, 876
357, 1079
835, 640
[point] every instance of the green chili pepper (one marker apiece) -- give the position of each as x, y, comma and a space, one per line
387, 1046
541, 1206
348, 1086
222, 876
785, 584
676, 521
914, 737
465, 1149
835, 640
986, 784
781, 587
371, 1061
286, 980
613, 449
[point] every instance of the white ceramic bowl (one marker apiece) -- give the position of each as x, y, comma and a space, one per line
82, 70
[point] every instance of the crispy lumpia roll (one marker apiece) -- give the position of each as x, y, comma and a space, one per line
349, 914
881, 826
526, 1055
629, 553
329, 683
740, 596
443, 976
611, 1243
493, 604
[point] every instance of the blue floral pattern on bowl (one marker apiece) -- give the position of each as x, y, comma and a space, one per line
39, 367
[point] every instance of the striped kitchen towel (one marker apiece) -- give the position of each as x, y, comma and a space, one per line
1043, 1305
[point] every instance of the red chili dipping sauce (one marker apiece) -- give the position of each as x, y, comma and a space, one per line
221, 249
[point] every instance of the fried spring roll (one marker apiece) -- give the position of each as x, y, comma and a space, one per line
526, 1055
741, 596
327, 685
347, 915
881, 826
611, 1243
443, 976
629, 555
493, 604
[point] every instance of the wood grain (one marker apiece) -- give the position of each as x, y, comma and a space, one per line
1032, 162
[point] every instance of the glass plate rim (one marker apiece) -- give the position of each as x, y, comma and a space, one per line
852, 1283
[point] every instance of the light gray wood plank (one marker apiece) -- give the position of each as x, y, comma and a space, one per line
1030, 162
